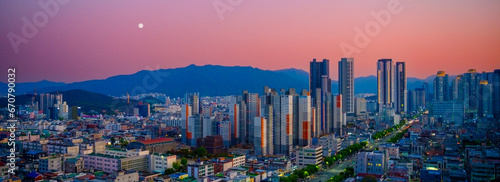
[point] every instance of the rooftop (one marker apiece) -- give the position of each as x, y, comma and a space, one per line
104, 155
157, 140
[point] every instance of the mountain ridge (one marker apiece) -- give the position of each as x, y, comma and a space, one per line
208, 80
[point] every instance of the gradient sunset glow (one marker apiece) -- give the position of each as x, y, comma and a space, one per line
96, 39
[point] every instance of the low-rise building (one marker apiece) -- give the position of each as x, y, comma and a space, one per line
202, 169
309, 155
50, 164
63, 149
123, 176
238, 160
330, 142
126, 153
370, 163
111, 164
73, 165
160, 162
158, 145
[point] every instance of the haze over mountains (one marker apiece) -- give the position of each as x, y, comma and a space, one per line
208, 80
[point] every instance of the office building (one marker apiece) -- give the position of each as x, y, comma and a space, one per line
441, 86
471, 82
496, 93
385, 84
485, 100
417, 99
457, 88
346, 84
400, 88
309, 155
111, 164
360, 107
448, 111
320, 86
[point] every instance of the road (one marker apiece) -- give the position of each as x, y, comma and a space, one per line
323, 176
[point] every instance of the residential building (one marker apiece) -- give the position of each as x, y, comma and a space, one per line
370, 163
201, 169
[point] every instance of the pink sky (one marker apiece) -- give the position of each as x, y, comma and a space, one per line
97, 39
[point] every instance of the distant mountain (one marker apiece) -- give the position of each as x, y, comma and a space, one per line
208, 80
86, 100
296, 73
28, 87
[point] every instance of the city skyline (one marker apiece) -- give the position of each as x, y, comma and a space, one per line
425, 78
109, 44
235, 90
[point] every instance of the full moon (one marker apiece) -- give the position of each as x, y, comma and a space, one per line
141, 25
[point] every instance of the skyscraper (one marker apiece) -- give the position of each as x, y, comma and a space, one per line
253, 109
320, 86
267, 112
457, 88
260, 139
416, 99
485, 99
243, 121
385, 84
346, 83
471, 83
193, 99
400, 88
234, 117
441, 86
186, 113
304, 120
319, 71
496, 93
286, 122
338, 116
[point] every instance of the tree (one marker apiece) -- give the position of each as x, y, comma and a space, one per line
349, 171
113, 140
201, 152
176, 166
169, 171
184, 161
